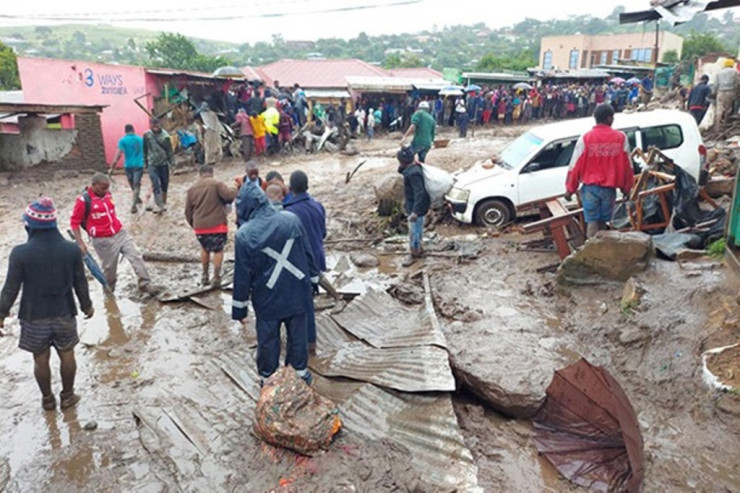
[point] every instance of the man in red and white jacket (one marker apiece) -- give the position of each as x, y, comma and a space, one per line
601, 163
95, 212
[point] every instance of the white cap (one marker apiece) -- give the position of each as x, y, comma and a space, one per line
424, 105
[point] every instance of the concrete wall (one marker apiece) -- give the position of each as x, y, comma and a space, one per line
35, 143
80, 83
590, 48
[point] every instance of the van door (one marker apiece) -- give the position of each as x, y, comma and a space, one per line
544, 175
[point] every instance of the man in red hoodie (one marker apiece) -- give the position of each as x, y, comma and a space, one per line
95, 212
601, 163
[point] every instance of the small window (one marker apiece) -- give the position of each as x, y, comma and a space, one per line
573, 59
603, 58
663, 137
554, 155
547, 60
615, 56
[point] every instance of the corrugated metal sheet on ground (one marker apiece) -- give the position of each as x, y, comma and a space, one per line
330, 336
411, 369
425, 425
241, 368
382, 321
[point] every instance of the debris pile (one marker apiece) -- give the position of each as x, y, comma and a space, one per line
291, 414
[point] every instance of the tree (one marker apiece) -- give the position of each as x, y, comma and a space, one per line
699, 44
8, 69
670, 56
178, 52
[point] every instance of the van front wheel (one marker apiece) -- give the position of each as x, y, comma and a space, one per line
493, 214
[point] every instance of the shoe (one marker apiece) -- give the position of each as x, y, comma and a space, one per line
134, 209
408, 260
49, 402
216, 280
204, 278
68, 400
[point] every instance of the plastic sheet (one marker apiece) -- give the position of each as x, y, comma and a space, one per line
588, 430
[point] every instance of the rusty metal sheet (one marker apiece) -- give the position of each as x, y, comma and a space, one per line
411, 369
382, 321
425, 425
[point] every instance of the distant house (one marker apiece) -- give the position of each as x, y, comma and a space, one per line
585, 51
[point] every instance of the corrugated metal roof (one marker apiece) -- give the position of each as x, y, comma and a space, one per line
382, 321
425, 425
410, 369
11, 96
326, 94
498, 76
376, 83
187, 73
586, 73
415, 73
317, 73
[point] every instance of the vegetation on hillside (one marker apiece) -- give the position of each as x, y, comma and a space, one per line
8, 69
466, 47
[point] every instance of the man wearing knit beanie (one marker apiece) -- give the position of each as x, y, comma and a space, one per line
51, 272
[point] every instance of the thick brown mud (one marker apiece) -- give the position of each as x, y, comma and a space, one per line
171, 386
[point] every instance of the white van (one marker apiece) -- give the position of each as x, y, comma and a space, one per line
535, 165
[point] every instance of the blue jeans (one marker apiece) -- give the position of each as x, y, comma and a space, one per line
421, 151
416, 231
133, 175
268, 346
160, 177
598, 203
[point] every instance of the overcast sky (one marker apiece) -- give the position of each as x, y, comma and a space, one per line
258, 20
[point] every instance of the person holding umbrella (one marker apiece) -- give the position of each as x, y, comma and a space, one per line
51, 272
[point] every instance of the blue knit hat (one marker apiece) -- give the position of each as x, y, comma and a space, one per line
41, 214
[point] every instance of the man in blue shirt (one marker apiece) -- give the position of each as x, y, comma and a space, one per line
132, 147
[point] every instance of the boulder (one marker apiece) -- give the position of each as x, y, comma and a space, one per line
608, 256
511, 375
389, 192
365, 260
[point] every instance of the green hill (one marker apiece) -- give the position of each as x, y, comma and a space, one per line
100, 43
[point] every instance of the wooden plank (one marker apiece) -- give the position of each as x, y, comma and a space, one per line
551, 221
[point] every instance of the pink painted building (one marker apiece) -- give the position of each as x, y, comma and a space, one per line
51, 81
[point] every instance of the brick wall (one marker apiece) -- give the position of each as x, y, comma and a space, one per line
90, 141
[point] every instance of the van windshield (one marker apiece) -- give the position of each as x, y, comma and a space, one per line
519, 150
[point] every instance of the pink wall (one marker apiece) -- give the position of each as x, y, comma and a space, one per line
73, 82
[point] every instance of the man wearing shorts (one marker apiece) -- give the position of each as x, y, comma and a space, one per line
601, 163
132, 147
205, 211
51, 272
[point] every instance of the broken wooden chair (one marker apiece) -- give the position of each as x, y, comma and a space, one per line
560, 226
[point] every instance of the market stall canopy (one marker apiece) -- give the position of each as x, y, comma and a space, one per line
675, 11
451, 91
228, 72
326, 94
473, 88
588, 430
497, 77
375, 84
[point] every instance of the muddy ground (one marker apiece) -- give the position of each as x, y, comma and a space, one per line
161, 381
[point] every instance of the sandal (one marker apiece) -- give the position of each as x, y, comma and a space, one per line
69, 400
48, 402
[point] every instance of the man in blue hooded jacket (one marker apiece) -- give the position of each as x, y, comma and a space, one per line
275, 268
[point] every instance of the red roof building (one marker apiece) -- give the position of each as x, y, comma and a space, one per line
317, 74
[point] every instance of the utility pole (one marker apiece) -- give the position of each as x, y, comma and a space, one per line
656, 49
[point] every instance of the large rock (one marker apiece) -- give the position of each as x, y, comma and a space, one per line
389, 192
608, 256
510, 375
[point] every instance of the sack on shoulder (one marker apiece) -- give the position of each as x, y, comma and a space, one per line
437, 182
